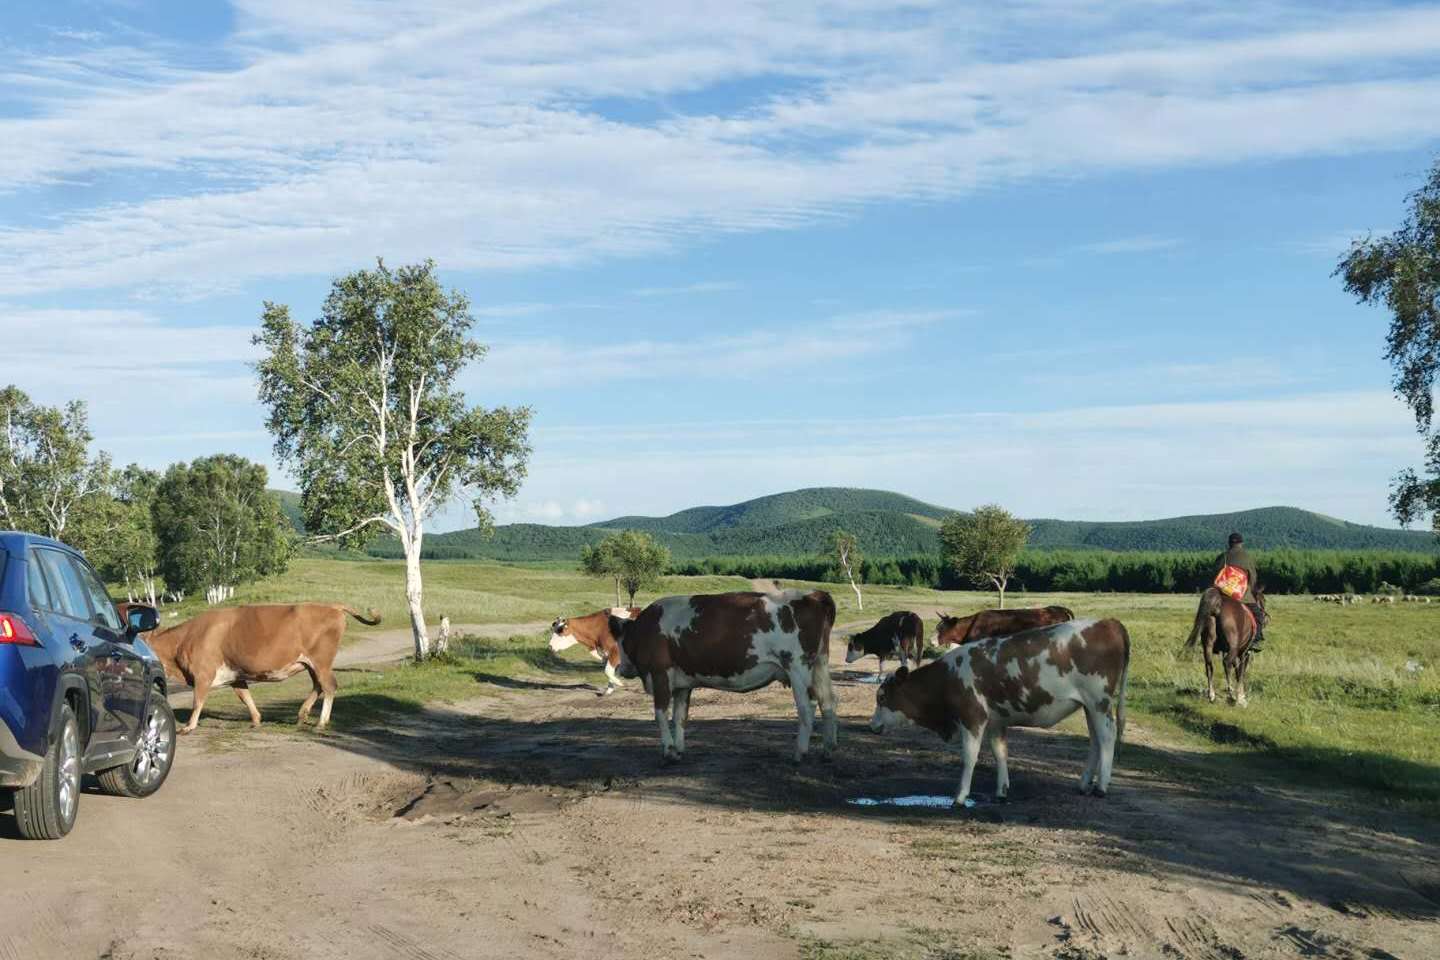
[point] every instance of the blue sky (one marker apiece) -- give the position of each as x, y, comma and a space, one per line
1074, 257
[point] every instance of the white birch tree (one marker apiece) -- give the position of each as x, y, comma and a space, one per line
364, 408
845, 553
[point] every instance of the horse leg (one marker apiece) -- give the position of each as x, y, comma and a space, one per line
1241, 663
1208, 649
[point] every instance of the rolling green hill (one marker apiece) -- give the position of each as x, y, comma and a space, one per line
893, 525
780, 509
290, 507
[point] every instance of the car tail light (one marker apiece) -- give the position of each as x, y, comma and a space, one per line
17, 631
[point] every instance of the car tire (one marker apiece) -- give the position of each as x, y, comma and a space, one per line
146, 772
46, 809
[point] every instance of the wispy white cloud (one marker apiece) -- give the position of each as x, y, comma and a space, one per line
1147, 243
729, 356
484, 132
703, 286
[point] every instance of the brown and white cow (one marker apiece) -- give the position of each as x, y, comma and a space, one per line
731, 641
996, 623
1032, 679
900, 634
592, 632
237, 646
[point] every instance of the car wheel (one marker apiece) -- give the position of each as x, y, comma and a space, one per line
154, 754
46, 809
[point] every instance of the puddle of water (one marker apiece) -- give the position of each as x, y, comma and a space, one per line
928, 801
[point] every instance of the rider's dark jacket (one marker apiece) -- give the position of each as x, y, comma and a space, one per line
1236, 556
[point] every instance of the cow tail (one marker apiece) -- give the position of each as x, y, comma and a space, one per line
1124, 684
372, 620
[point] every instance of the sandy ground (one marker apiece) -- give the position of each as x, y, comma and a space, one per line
536, 820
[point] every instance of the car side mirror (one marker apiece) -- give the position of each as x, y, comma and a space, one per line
141, 620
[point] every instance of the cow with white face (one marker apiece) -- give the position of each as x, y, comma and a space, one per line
1032, 679
731, 641
593, 633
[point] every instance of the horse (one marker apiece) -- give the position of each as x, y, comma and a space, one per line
1226, 626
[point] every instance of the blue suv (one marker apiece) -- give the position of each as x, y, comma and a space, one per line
80, 692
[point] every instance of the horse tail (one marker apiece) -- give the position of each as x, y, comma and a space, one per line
1204, 614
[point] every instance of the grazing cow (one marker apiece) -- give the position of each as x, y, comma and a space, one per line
593, 633
1032, 679
901, 634
731, 641
1224, 625
996, 623
237, 646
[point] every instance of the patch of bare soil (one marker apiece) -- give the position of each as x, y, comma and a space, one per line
538, 821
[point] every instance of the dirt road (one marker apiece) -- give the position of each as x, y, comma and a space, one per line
536, 820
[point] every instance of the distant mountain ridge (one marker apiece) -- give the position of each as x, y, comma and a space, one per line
891, 524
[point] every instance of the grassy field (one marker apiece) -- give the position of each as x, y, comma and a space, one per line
1341, 696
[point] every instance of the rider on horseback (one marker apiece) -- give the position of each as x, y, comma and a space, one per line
1237, 556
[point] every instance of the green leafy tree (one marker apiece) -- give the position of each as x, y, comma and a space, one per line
364, 408
1401, 272
115, 528
631, 558
984, 546
217, 526
844, 553
46, 471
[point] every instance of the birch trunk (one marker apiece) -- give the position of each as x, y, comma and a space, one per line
414, 594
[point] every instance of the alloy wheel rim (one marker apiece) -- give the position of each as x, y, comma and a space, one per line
153, 756
69, 772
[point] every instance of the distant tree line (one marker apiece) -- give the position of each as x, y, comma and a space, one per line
1087, 571
207, 525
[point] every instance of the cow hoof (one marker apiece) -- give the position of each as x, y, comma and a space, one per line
1098, 794
184, 730
669, 759
1001, 798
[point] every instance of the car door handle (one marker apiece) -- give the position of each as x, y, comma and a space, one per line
116, 656
76, 642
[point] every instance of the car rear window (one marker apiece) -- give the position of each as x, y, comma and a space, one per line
36, 586
67, 593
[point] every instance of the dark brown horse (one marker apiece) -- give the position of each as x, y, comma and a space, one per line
1224, 626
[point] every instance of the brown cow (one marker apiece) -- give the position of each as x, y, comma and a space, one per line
237, 646
593, 633
1225, 626
996, 623
1032, 679
731, 641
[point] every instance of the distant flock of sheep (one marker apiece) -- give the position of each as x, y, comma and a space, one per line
1348, 599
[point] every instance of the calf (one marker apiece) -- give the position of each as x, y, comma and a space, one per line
1032, 679
592, 632
996, 623
731, 641
237, 646
901, 634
